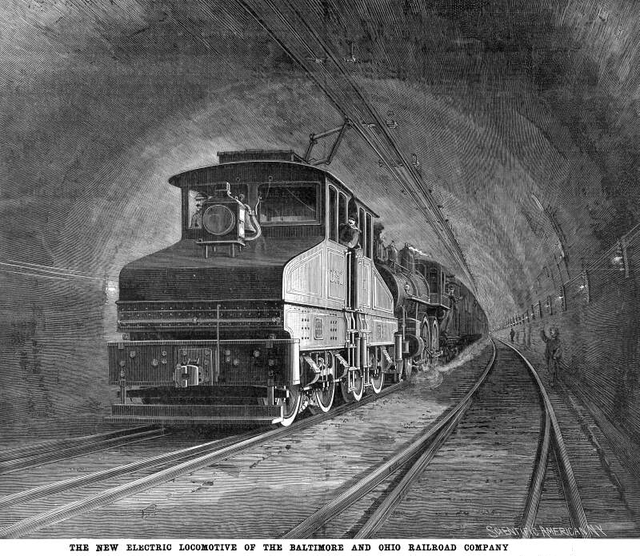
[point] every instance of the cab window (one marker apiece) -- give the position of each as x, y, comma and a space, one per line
288, 203
343, 209
363, 232
333, 213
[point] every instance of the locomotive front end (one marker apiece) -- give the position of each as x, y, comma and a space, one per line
226, 378
203, 320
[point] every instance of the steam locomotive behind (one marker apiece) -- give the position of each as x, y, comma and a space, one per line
277, 294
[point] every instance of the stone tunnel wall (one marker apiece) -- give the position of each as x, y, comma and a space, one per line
598, 321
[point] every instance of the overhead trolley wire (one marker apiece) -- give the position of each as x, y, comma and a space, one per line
358, 111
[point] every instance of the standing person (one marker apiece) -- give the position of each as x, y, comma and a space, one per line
512, 334
552, 352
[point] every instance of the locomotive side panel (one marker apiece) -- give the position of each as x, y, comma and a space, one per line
315, 294
317, 278
336, 271
383, 330
316, 328
382, 300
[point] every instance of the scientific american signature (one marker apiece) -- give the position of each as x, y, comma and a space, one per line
541, 531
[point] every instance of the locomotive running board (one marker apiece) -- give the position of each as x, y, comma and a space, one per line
190, 414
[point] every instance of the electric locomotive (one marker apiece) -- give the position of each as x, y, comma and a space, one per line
275, 297
259, 307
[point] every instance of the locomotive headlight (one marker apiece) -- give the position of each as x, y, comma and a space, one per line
236, 362
218, 220
256, 353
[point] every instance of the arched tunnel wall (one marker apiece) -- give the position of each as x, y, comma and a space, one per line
522, 118
596, 314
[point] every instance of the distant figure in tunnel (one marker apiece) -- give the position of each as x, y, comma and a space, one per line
552, 353
512, 334
350, 234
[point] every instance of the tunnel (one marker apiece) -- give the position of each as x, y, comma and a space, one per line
499, 138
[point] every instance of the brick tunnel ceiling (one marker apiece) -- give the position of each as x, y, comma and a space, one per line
518, 119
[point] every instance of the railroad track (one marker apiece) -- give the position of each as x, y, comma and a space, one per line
172, 465
25, 457
487, 460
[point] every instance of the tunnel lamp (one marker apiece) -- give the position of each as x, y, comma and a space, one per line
618, 258
584, 287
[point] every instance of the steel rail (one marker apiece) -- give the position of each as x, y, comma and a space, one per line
534, 495
436, 433
381, 514
567, 477
53, 445
52, 455
91, 478
377, 519
78, 507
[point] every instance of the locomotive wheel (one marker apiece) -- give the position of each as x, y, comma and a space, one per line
291, 406
356, 394
375, 373
323, 397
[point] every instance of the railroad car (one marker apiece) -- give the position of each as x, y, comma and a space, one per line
278, 294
